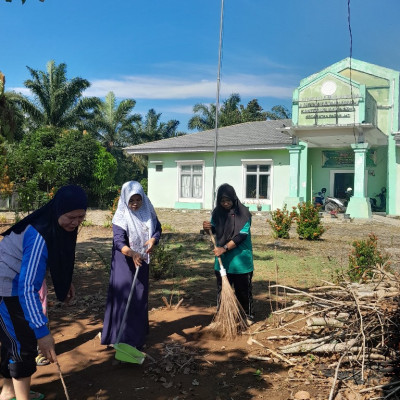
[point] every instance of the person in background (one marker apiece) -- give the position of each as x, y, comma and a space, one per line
231, 222
136, 229
44, 240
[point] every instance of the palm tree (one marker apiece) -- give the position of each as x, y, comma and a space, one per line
115, 125
232, 112
205, 118
229, 114
152, 129
58, 101
11, 116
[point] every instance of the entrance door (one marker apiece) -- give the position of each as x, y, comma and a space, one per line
342, 181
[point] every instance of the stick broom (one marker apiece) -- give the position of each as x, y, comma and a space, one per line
230, 318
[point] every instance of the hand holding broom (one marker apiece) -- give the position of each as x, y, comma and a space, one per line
230, 318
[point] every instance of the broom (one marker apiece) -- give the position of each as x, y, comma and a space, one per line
230, 318
123, 351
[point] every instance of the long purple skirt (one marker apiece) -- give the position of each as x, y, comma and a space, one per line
137, 321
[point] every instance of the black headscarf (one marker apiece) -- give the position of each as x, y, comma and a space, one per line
60, 243
229, 223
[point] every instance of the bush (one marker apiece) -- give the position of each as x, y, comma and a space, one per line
309, 224
364, 257
163, 261
281, 221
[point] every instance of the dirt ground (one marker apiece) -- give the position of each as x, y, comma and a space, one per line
184, 360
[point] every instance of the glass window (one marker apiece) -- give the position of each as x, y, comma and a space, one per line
191, 181
258, 181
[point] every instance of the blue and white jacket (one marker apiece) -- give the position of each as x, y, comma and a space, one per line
23, 262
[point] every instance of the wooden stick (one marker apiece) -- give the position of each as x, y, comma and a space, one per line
164, 299
362, 333
251, 357
387, 385
392, 393
274, 353
179, 303
62, 381
331, 394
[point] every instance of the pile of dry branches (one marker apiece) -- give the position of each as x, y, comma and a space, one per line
358, 321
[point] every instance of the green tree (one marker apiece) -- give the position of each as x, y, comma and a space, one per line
11, 117
114, 124
58, 102
204, 117
152, 129
278, 112
129, 167
232, 112
253, 112
49, 157
105, 167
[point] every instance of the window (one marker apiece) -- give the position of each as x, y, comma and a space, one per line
191, 181
159, 167
257, 180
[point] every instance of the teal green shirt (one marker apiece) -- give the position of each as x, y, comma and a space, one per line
240, 259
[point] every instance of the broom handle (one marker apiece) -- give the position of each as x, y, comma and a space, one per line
127, 306
221, 266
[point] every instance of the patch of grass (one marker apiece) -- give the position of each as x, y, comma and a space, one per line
167, 228
294, 271
87, 223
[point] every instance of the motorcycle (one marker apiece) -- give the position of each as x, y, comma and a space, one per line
334, 204
319, 198
328, 203
382, 200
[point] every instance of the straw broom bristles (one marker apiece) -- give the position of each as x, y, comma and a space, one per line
230, 318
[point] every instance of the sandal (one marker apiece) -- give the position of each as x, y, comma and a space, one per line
33, 396
41, 360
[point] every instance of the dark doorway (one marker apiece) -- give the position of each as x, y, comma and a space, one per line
342, 181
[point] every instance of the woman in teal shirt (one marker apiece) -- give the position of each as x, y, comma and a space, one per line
231, 222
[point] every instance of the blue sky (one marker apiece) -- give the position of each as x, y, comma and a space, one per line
164, 53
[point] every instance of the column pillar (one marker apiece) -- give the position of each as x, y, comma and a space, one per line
294, 155
359, 205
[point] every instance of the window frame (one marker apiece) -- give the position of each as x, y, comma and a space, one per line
181, 163
264, 161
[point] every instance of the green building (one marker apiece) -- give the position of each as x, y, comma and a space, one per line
344, 133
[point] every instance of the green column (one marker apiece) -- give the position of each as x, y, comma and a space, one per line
359, 205
293, 199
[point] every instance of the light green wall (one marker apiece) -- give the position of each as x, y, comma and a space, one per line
163, 186
321, 176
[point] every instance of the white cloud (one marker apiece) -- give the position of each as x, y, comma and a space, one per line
146, 87
173, 88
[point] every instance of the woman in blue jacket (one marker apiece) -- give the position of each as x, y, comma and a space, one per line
44, 240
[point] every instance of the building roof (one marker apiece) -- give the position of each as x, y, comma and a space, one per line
259, 135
